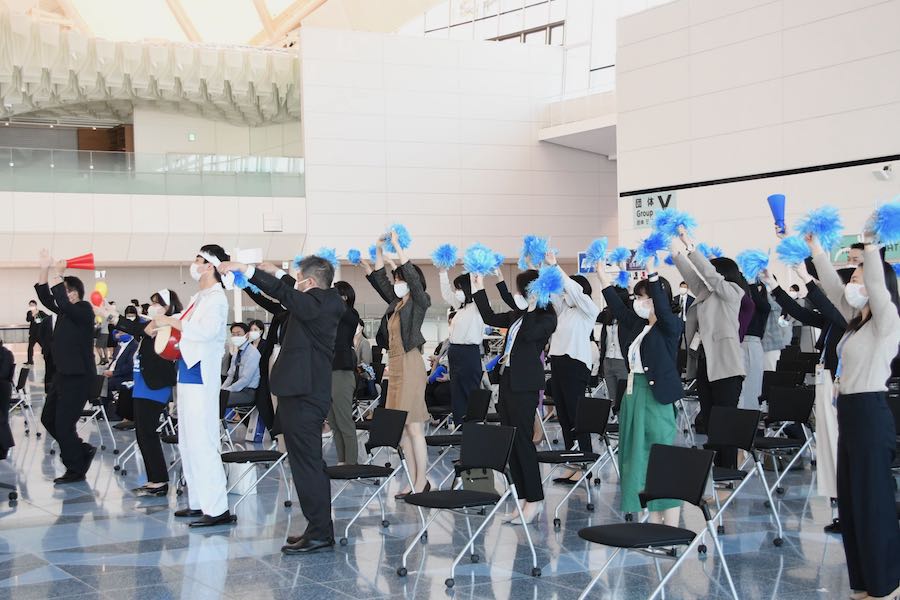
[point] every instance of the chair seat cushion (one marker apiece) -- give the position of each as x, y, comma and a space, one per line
723, 474
443, 440
357, 471
492, 418
612, 428
251, 456
776, 443
169, 438
87, 413
637, 535
364, 425
558, 457
452, 499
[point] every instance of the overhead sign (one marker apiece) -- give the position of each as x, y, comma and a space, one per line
584, 266
643, 207
841, 253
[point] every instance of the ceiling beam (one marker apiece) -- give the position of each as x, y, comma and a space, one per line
289, 19
71, 13
184, 21
266, 18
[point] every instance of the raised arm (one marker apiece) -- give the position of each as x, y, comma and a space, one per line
691, 277
447, 290
502, 320
884, 313
618, 308
79, 313
828, 277
45, 297
135, 329
829, 311
715, 282
506, 296
266, 303
760, 298
416, 288
301, 305
665, 318
379, 280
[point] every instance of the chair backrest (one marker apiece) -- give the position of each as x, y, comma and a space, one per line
794, 366
791, 404
786, 379
379, 371
478, 405
732, 427
486, 446
592, 415
620, 393
677, 473
386, 428
23, 378
790, 352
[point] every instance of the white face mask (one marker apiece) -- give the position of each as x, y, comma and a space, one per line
401, 289
460, 296
642, 308
238, 340
255, 335
521, 302
195, 272
793, 294
155, 310
856, 295
131, 318
683, 291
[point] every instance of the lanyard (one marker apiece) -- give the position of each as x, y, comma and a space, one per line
840, 350
825, 345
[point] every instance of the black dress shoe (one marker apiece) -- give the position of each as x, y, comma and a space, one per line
308, 545
187, 512
566, 480
89, 453
293, 539
125, 425
835, 527
144, 491
226, 518
69, 477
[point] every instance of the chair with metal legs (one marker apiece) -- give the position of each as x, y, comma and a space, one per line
787, 405
672, 473
484, 447
23, 400
271, 458
477, 407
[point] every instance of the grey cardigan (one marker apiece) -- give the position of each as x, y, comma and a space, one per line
412, 313
775, 337
717, 305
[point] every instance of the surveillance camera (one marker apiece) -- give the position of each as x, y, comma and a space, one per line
884, 174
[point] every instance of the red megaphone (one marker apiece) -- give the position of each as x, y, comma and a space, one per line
84, 262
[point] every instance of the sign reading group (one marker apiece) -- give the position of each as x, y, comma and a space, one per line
645, 206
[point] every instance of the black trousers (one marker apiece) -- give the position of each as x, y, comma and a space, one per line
517, 409
866, 449
301, 418
146, 421
49, 372
62, 409
465, 375
31, 342
722, 392
569, 380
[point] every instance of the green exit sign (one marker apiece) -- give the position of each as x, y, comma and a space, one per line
192, 137
839, 255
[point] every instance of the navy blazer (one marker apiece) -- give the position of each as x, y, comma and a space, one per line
124, 370
659, 348
72, 342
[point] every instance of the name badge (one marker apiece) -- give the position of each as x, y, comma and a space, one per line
820, 374
629, 388
695, 342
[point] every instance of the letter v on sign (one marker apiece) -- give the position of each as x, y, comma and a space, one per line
664, 203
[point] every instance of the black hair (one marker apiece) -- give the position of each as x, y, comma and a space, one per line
398, 275
584, 283
450, 315
318, 269
240, 325
524, 279
259, 325
642, 287
890, 281
144, 308
346, 290
131, 310
682, 283
861, 247
135, 302
728, 269
464, 282
795, 287
75, 284
172, 308
217, 251
30, 302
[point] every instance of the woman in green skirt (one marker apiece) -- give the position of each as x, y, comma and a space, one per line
647, 414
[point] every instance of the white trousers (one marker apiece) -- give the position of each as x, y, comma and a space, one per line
198, 441
753, 364
826, 438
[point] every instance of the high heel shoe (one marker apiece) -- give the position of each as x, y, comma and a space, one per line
145, 491
529, 519
854, 595
403, 495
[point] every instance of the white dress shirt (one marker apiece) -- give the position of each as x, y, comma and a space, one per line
612, 342
634, 351
576, 316
468, 326
203, 330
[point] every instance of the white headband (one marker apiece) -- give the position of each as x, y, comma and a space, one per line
165, 296
227, 278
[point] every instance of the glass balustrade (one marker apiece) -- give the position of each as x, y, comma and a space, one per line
79, 171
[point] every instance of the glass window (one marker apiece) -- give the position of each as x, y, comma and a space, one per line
556, 35
461, 11
486, 29
513, 38
536, 37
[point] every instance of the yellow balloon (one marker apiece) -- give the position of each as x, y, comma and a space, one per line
98, 319
102, 288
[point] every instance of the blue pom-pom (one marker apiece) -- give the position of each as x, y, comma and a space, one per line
618, 255
596, 252
752, 263
716, 252
792, 250
825, 224
886, 223
535, 249
373, 252
548, 283
402, 237
240, 280
354, 257
444, 256
896, 267
329, 254
667, 222
296, 261
498, 260
622, 279
669, 260
480, 260
709, 251
647, 249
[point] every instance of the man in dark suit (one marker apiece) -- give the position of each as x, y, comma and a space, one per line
120, 370
301, 379
73, 355
34, 318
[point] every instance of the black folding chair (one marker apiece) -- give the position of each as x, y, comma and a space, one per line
271, 458
483, 447
731, 427
385, 432
787, 405
476, 412
785, 379
94, 414
592, 416
672, 473
23, 401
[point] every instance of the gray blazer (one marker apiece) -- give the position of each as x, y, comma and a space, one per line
717, 305
412, 313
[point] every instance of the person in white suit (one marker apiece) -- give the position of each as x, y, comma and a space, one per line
203, 326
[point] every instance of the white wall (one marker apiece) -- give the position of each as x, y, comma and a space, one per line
157, 132
709, 90
441, 136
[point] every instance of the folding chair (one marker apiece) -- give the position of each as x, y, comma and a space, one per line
785, 379
385, 432
272, 458
476, 412
592, 416
736, 428
93, 415
227, 401
166, 428
483, 447
23, 401
672, 473
787, 405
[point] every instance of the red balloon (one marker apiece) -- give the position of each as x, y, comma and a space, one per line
96, 298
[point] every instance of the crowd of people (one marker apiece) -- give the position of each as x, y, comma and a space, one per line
312, 362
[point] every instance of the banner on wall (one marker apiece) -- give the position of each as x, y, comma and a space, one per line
643, 207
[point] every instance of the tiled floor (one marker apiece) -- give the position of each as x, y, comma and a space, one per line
95, 540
